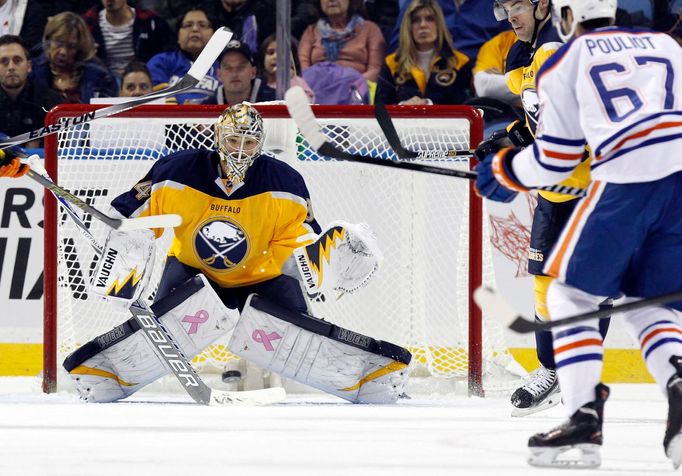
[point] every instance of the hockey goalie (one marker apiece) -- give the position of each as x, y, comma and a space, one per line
247, 247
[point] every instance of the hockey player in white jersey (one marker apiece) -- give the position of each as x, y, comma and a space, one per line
618, 91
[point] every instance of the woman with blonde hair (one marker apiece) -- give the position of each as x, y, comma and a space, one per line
68, 63
426, 68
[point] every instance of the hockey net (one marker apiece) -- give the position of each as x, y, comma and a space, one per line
429, 228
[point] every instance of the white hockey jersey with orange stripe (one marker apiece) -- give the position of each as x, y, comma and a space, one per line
617, 90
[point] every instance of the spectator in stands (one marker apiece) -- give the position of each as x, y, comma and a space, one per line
195, 28
22, 104
489, 79
123, 33
237, 73
470, 22
136, 80
384, 13
303, 13
344, 37
53, 7
239, 16
426, 69
25, 18
268, 55
667, 17
68, 64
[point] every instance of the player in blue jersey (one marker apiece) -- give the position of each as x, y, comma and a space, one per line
617, 90
247, 228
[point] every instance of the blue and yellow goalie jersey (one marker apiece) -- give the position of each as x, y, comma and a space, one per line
236, 239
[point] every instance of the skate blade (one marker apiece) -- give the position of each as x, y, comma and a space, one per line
551, 401
546, 457
674, 450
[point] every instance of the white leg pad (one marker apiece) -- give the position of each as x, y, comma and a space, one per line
120, 362
344, 363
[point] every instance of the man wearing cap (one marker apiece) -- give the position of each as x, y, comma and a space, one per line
237, 73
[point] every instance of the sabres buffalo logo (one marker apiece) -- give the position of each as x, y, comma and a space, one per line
221, 243
531, 104
446, 77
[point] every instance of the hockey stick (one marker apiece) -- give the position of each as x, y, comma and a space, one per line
164, 343
492, 303
123, 224
388, 128
303, 116
196, 73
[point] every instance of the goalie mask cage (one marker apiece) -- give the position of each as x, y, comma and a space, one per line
429, 228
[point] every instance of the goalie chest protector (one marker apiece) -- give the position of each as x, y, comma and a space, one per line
236, 239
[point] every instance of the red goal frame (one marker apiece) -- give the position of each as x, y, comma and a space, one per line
473, 116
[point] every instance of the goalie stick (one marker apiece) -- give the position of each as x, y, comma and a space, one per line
303, 116
122, 224
196, 73
165, 345
492, 303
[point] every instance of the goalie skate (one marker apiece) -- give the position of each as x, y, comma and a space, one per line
540, 392
672, 442
582, 432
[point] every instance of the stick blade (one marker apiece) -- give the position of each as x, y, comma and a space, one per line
493, 304
209, 54
266, 396
386, 124
154, 221
302, 114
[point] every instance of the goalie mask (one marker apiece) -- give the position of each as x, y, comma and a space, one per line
239, 136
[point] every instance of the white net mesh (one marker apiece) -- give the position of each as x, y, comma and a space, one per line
419, 298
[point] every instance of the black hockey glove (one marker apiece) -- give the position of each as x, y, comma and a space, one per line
516, 134
496, 141
519, 134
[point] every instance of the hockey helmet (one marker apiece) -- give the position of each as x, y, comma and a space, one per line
583, 10
501, 13
239, 136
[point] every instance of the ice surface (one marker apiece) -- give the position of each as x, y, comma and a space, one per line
157, 435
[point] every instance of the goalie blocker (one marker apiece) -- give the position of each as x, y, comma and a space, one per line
293, 344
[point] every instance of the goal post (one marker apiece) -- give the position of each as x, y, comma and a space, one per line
430, 228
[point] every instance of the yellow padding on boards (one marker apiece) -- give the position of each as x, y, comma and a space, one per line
21, 359
620, 365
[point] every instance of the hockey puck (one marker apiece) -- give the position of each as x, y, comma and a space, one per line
230, 376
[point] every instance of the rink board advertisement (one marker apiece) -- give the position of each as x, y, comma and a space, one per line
21, 289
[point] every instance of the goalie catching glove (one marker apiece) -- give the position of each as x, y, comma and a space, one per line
124, 269
343, 258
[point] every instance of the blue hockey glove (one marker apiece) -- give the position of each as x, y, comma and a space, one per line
496, 180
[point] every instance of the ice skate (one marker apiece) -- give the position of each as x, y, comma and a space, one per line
540, 392
583, 432
672, 442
